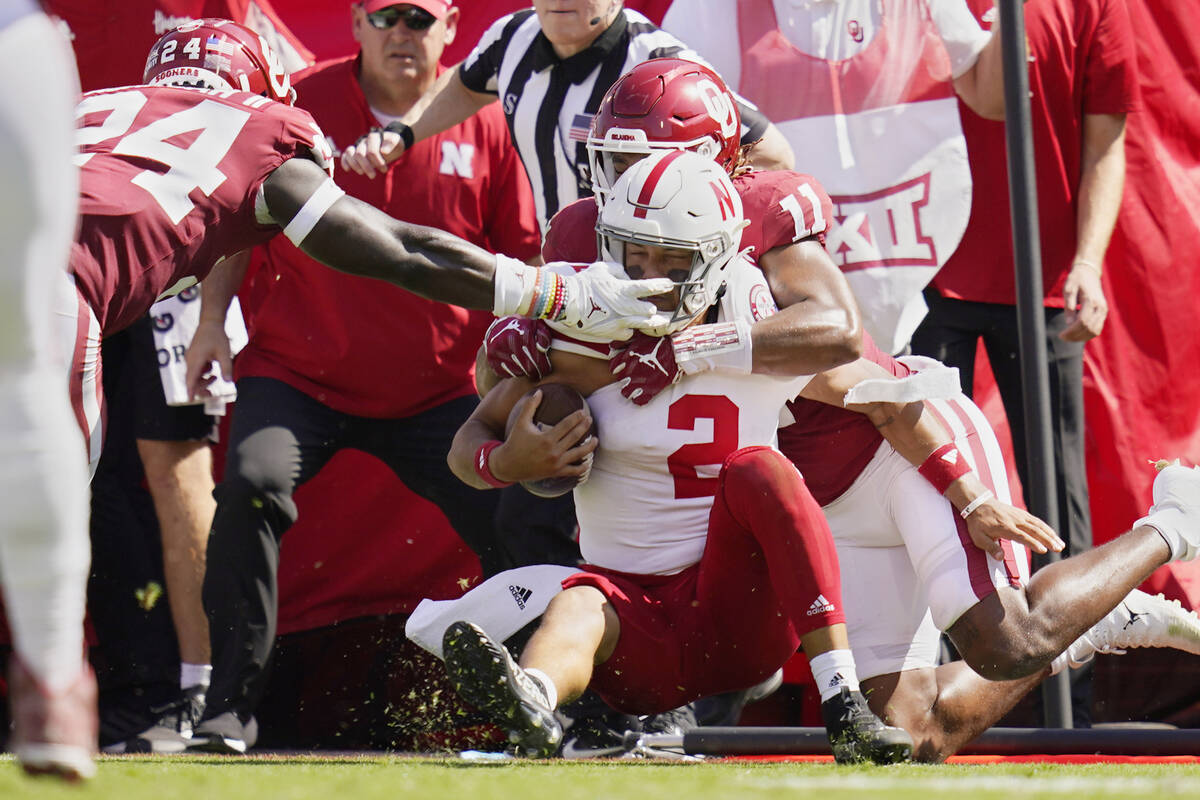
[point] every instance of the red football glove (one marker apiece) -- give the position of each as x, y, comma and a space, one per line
647, 365
517, 347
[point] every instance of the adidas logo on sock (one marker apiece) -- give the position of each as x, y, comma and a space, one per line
837, 680
820, 606
521, 595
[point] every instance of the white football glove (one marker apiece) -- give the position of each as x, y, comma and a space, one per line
604, 305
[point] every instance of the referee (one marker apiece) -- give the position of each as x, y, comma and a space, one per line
552, 66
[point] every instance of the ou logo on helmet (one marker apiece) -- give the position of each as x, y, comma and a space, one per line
276, 74
719, 106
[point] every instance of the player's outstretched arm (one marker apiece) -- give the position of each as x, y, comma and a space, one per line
918, 436
354, 237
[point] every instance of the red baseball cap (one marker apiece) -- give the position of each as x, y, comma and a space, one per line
438, 8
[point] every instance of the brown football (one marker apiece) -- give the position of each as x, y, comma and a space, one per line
558, 400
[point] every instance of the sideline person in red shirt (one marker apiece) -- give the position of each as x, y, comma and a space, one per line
339, 362
1083, 81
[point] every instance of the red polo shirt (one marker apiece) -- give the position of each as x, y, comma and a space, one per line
362, 346
1083, 63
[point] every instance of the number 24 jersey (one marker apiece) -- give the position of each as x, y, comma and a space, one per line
169, 179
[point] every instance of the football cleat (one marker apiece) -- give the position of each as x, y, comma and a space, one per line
225, 733
856, 735
605, 735
1140, 620
54, 733
172, 731
1176, 510
486, 676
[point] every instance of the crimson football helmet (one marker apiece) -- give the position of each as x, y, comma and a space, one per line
683, 200
218, 54
664, 103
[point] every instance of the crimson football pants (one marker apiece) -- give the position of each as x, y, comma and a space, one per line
768, 575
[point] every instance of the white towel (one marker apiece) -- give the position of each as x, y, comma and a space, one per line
930, 380
174, 322
501, 605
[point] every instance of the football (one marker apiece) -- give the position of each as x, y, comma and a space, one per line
558, 400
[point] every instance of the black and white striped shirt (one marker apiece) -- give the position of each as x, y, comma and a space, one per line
549, 102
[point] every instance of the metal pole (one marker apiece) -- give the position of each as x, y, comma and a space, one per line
1035, 392
749, 740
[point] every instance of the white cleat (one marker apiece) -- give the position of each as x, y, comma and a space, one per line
1176, 510
1140, 620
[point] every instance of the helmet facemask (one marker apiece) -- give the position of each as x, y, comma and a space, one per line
680, 200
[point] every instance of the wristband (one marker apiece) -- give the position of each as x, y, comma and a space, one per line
976, 503
483, 469
943, 467
721, 345
1085, 263
403, 131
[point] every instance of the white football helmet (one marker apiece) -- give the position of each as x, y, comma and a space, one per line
677, 199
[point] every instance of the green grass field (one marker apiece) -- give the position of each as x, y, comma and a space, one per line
303, 778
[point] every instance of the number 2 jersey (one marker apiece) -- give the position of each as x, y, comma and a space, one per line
645, 507
169, 180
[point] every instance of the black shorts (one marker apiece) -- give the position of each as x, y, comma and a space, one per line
142, 387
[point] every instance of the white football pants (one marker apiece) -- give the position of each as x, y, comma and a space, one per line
44, 552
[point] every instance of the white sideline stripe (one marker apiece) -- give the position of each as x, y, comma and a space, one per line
1012, 785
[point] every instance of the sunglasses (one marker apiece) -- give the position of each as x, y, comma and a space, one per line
415, 19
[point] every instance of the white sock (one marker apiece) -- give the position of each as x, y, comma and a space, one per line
547, 685
194, 675
832, 670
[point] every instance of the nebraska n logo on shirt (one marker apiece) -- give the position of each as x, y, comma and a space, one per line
521, 595
820, 606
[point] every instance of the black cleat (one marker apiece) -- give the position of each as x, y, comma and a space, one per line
171, 731
857, 735
487, 677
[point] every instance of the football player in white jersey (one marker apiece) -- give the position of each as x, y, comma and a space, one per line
43, 481
708, 560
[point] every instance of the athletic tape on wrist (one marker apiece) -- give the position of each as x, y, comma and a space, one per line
720, 345
944, 466
311, 212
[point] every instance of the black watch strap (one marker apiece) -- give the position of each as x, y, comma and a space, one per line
403, 131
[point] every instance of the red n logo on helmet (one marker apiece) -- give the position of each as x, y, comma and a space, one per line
724, 201
652, 180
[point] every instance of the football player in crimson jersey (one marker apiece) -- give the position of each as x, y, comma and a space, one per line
693, 529
175, 180
840, 450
